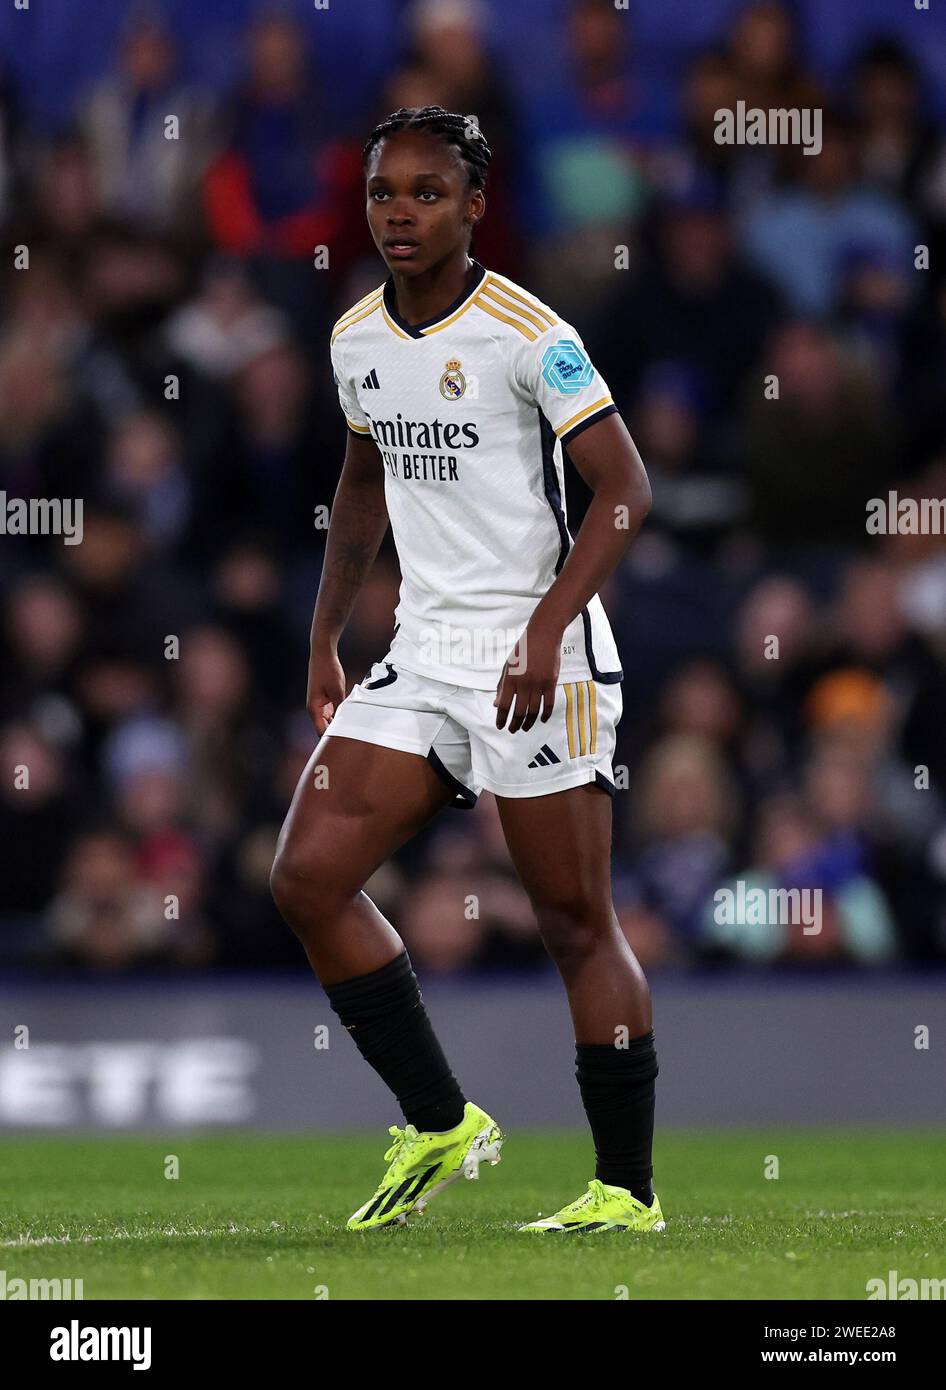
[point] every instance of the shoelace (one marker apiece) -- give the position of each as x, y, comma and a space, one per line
401, 1137
593, 1198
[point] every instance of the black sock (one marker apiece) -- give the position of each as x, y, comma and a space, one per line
385, 1015
617, 1090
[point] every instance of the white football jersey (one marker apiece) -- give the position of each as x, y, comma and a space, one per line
470, 411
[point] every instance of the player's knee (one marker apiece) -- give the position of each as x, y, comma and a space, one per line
287, 887
304, 889
573, 929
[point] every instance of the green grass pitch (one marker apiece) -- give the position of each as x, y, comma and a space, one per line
258, 1216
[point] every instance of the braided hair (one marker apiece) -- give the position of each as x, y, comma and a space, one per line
461, 131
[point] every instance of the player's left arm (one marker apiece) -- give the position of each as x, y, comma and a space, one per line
608, 461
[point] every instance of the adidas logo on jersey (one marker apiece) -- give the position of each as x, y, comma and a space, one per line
371, 382
544, 757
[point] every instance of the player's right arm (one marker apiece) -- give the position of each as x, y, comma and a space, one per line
358, 522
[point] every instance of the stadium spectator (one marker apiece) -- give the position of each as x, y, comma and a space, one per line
827, 412
448, 63
849, 922
900, 149
703, 306
686, 810
800, 235
39, 812
110, 916
696, 499
280, 190
763, 59
148, 173
438, 928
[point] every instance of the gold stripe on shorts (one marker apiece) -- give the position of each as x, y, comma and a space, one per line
570, 718
582, 730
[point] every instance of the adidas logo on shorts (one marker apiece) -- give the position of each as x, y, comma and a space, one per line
545, 757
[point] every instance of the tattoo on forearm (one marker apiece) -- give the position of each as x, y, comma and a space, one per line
354, 538
351, 562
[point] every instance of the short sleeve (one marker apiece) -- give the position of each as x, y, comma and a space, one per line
355, 417
556, 374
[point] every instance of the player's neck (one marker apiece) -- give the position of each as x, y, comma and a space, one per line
423, 297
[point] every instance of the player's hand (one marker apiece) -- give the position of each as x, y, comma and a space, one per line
326, 688
527, 684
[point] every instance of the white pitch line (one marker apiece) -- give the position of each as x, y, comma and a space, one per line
201, 1232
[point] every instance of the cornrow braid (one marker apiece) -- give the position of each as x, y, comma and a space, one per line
462, 131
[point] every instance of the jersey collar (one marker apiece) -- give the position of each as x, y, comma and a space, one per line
419, 330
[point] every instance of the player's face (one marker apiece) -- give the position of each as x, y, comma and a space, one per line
421, 208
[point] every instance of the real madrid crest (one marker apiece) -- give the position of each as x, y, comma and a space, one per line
453, 382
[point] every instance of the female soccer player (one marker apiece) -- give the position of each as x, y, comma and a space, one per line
460, 391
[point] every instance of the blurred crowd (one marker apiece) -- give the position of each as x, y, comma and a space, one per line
164, 356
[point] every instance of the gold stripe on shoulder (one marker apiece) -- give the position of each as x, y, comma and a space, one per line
355, 313
361, 310
501, 284
350, 323
356, 308
488, 308
495, 296
360, 303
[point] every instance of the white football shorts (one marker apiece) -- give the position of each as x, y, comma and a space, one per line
454, 728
